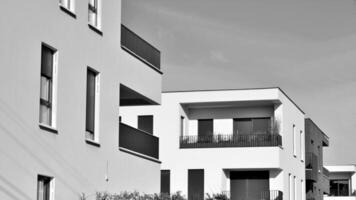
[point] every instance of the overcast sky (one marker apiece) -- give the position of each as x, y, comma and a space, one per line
306, 47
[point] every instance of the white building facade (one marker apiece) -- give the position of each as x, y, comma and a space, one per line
68, 67
248, 144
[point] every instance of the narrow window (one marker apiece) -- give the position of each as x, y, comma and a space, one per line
94, 13
290, 182
145, 123
295, 188
68, 4
47, 88
92, 105
302, 186
302, 146
294, 141
181, 125
45, 188
165, 181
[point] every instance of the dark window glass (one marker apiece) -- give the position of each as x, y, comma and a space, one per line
165, 181
252, 126
43, 188
242, 126
181, 125
261, 126
339, 187
46, 86
145, 123
205, 127
90, 104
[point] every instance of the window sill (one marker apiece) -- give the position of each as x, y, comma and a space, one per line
48, 128
69, 12
92, 142
95, 29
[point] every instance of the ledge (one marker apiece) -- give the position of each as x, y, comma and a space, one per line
91, 142
69, 12
139, 155
48, 128
95, 29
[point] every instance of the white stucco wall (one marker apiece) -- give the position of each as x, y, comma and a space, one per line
278, 160
25, 149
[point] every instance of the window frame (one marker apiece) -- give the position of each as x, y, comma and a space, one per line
96, 128
68, 6
52, 93
51, 182
294, 141
95, 14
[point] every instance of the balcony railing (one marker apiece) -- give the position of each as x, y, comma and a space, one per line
209, 141
311, 166
272, 195
138, 47
138, 141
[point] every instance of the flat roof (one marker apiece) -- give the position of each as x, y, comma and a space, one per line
232, 89
341, 168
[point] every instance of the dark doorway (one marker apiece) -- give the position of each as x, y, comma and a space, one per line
145, 123
196, 184
205, 127
165, 181
248, 185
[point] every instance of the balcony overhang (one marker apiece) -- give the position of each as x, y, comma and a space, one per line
227, 104
129, 97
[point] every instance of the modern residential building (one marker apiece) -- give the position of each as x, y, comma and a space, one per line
67, 69
342, 182
316, 176
246, 143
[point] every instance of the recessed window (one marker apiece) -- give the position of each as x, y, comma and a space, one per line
45, 188
48, 86
181, 125
339, 187
205, 127
92, 106
294, 141
165, 181
301, 146
246, 126
68, 4
94, 13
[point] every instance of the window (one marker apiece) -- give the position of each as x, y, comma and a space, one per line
196, 184
67, 4
294, 141
165, 181
302, 146
295, 188
302, 187
145, 123
48, 86
290, 183
45, 188
205, 127
92, 105
252, 126
94, 13
181, 125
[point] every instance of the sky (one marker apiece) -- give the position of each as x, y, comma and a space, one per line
306, 47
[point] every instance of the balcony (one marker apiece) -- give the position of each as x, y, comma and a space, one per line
138, 47
311, 166
138, 141
265, 195
212, 141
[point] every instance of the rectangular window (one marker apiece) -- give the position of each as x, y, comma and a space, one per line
48, 86
205, 127
295, 188
294, 141
302, 146
290, 183
245, 126
302, 187
91, 123
94, 13
165, 181
181, 125
68, 4
45, 188
145, 123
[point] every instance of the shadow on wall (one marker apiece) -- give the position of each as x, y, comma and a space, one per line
23, 136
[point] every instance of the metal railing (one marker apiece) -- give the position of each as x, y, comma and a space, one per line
141, 49
251, 140
272, 195
138, 141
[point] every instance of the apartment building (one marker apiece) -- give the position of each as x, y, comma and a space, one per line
317, 176
342, 182
68, 68
248, 144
